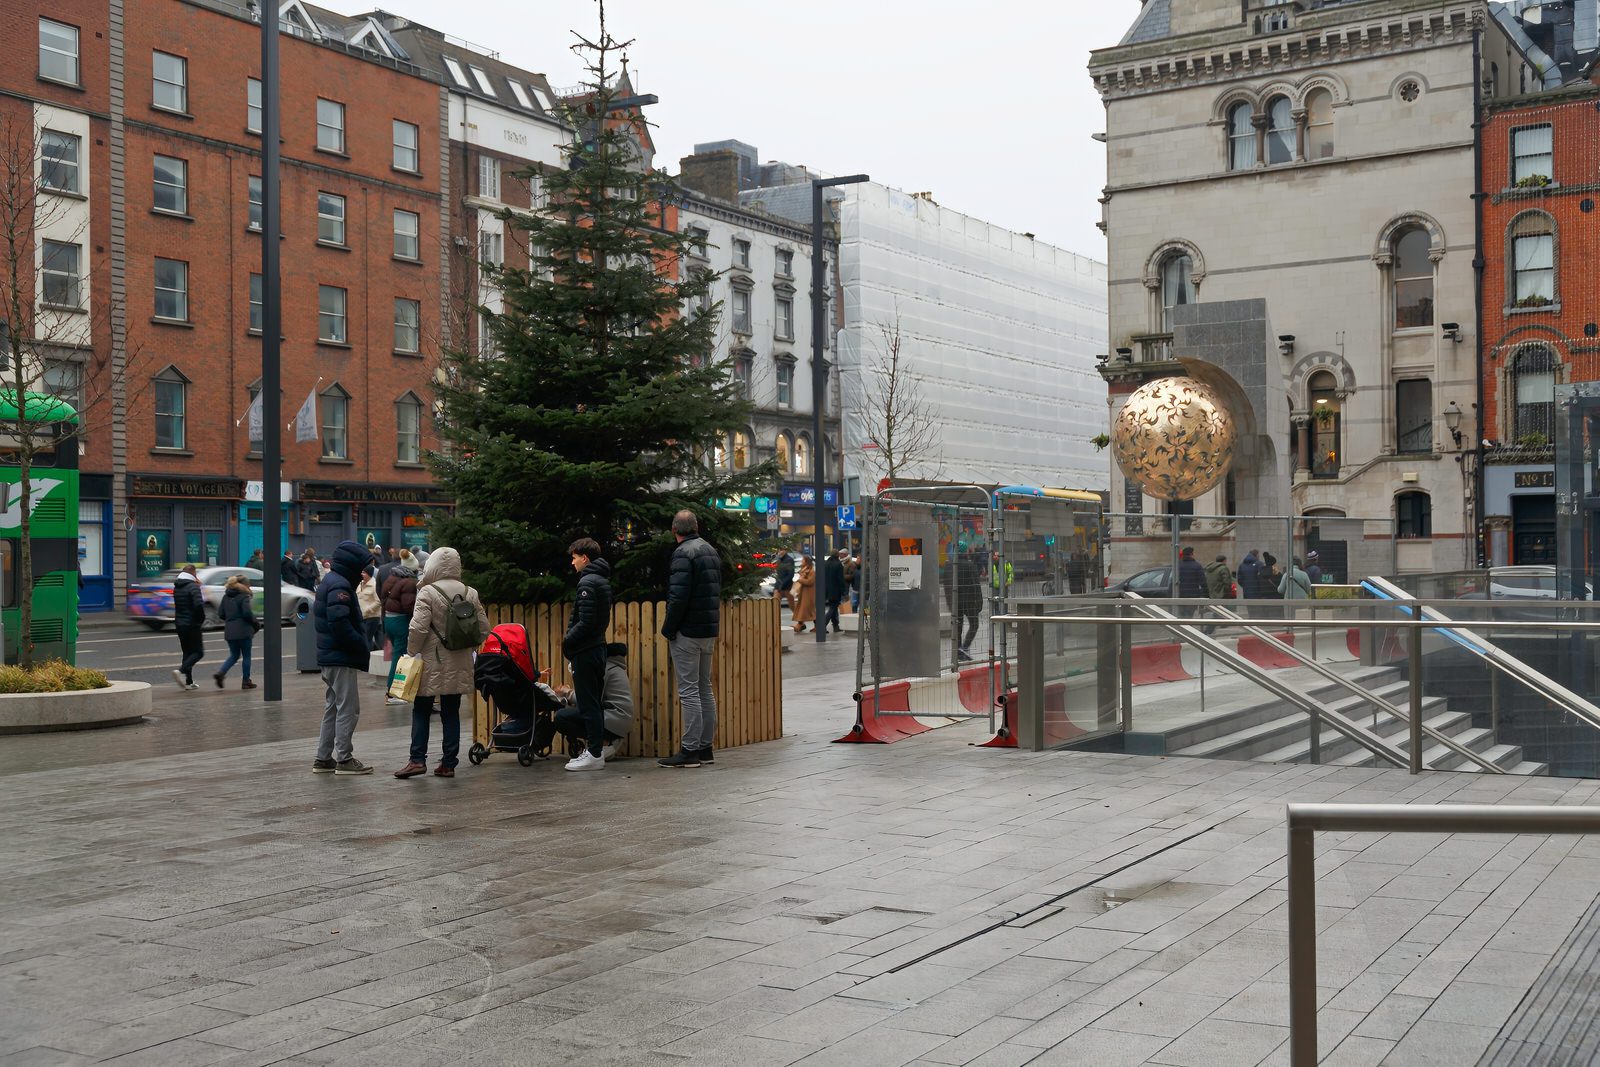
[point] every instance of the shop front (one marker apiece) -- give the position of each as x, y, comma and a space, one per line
252, 534
1520, 513
98, 591
173, 521
797, 511
387, 516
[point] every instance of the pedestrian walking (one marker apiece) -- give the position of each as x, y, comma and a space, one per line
447, 626
289, 570
694, 615
969, 600
310, 570
833, 589
343, 657
188, 619
1250, 575
585, 648
239, 628
399, 603
785, 579
805, 595
1219, 579
371, 602
257, 560
1191, 576
388, 568
1313, 568
1294, 585
853, 576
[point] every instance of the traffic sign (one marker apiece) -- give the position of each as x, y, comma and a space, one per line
847, 517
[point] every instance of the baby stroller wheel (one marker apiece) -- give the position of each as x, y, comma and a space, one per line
525, 756
477, 754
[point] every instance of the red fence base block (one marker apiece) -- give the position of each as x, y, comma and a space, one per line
1006, 736
1158, 663
872, 730
972, 684
1262, 654
1057, 727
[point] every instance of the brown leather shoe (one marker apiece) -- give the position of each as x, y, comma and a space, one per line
411, 770
442, 771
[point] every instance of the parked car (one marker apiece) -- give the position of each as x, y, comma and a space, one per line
1155, 582
1535, 582
150, 600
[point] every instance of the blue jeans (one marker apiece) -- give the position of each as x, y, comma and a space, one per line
398, 627
449, 726
237, 650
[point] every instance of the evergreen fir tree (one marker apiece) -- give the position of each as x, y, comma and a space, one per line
600, 404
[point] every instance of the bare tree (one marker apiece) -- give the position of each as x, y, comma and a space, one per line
898, 426
49, 319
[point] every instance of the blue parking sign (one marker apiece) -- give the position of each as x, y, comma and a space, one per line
847, 517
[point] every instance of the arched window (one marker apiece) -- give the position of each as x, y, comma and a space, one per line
335, 423
741, 450
1280, 131
782, 449
172, 408
719, 455
1241, 137
1177, 286
1533, 388
1319, 124
1413, 279
1323, 403
408, 429
1413, 513
802, 455
1533, 260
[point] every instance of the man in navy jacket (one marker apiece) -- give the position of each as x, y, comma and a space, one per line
343, 655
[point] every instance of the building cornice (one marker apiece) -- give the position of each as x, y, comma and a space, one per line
721, 210
1329, 35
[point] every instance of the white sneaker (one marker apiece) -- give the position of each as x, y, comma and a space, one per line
586, 761
190, 687
609, 751
177, 676
394, 700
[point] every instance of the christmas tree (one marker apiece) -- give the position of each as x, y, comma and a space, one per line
596, 406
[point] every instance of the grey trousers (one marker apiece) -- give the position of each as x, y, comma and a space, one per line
691, 662
339, 715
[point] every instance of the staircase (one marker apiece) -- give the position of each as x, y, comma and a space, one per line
1273, 732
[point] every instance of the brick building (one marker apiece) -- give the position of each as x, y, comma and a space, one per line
1538, 187
161, 107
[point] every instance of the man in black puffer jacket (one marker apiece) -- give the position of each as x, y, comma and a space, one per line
584, 646
694, 613
343, 655
188, 618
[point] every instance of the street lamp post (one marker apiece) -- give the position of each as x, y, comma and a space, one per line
819, 381
271, 335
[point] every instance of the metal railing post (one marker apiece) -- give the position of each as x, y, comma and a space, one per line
1302, 947
1125, 658
1030, 681
1414, 652
1494, 704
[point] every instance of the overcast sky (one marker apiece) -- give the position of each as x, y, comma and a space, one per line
987, 106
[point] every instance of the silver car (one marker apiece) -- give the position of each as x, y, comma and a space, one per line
150, 600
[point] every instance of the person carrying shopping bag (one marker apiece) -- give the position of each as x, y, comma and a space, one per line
447, 626
805, 595
239, 628
399, 595
371, 604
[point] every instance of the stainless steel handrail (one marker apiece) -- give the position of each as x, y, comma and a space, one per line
1360, 692
1305, 819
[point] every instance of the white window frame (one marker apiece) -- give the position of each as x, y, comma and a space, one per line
402, 306
258, 313
70, 171
1533, 266
484, 85
785, 259
333, 324
324, 123
742, 317
178, 89
741, 253
330, 219
1286, 135
179, 292
785, 380
520, 93
177, 415
181, 186
457, 74
488, 177
1529, 164
491, 248
402, 219
254, 207
253, 108
65, 279
783, 308
334, 420
402, 150
62, 29
408, 443
1243, 145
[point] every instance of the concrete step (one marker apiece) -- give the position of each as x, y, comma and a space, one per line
1273, 708
1276, 739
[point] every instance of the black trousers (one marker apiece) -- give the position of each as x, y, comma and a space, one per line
971, 618
588, 684
194, 649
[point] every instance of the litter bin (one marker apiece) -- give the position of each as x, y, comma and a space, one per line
305, 642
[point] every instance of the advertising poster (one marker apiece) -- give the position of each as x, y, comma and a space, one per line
414, 539
905, 563
372, 537
152, 552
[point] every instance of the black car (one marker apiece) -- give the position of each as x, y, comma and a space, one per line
1155, 582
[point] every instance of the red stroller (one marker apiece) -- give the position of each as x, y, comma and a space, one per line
507, 676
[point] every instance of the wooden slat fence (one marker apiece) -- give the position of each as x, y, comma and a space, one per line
747, 671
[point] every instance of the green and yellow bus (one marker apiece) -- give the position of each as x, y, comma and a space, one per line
53, 478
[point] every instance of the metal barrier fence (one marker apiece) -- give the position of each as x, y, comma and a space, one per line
1305, 819
1514, 683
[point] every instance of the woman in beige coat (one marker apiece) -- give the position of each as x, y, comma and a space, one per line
805, 593
446, 673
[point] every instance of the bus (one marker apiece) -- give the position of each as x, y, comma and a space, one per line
53, 478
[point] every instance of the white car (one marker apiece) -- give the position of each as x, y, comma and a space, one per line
150, 600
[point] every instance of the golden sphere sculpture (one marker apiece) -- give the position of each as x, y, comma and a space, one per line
1174, 438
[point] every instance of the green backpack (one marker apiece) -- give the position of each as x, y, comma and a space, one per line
461, 625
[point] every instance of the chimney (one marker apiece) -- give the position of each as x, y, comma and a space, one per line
713, 174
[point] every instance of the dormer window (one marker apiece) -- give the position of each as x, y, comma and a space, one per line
483, 81
457, 75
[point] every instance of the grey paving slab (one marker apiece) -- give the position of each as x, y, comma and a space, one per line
926, 902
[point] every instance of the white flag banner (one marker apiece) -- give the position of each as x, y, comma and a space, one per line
253, 417
305, 422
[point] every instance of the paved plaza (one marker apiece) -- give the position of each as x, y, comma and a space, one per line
800, 902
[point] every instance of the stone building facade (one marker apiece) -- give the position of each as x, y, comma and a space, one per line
1308, 168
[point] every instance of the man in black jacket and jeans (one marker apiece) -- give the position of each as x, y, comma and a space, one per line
189, 619
585, 648
694, 613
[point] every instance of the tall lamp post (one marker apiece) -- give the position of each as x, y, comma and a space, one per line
819, 378
271, 335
